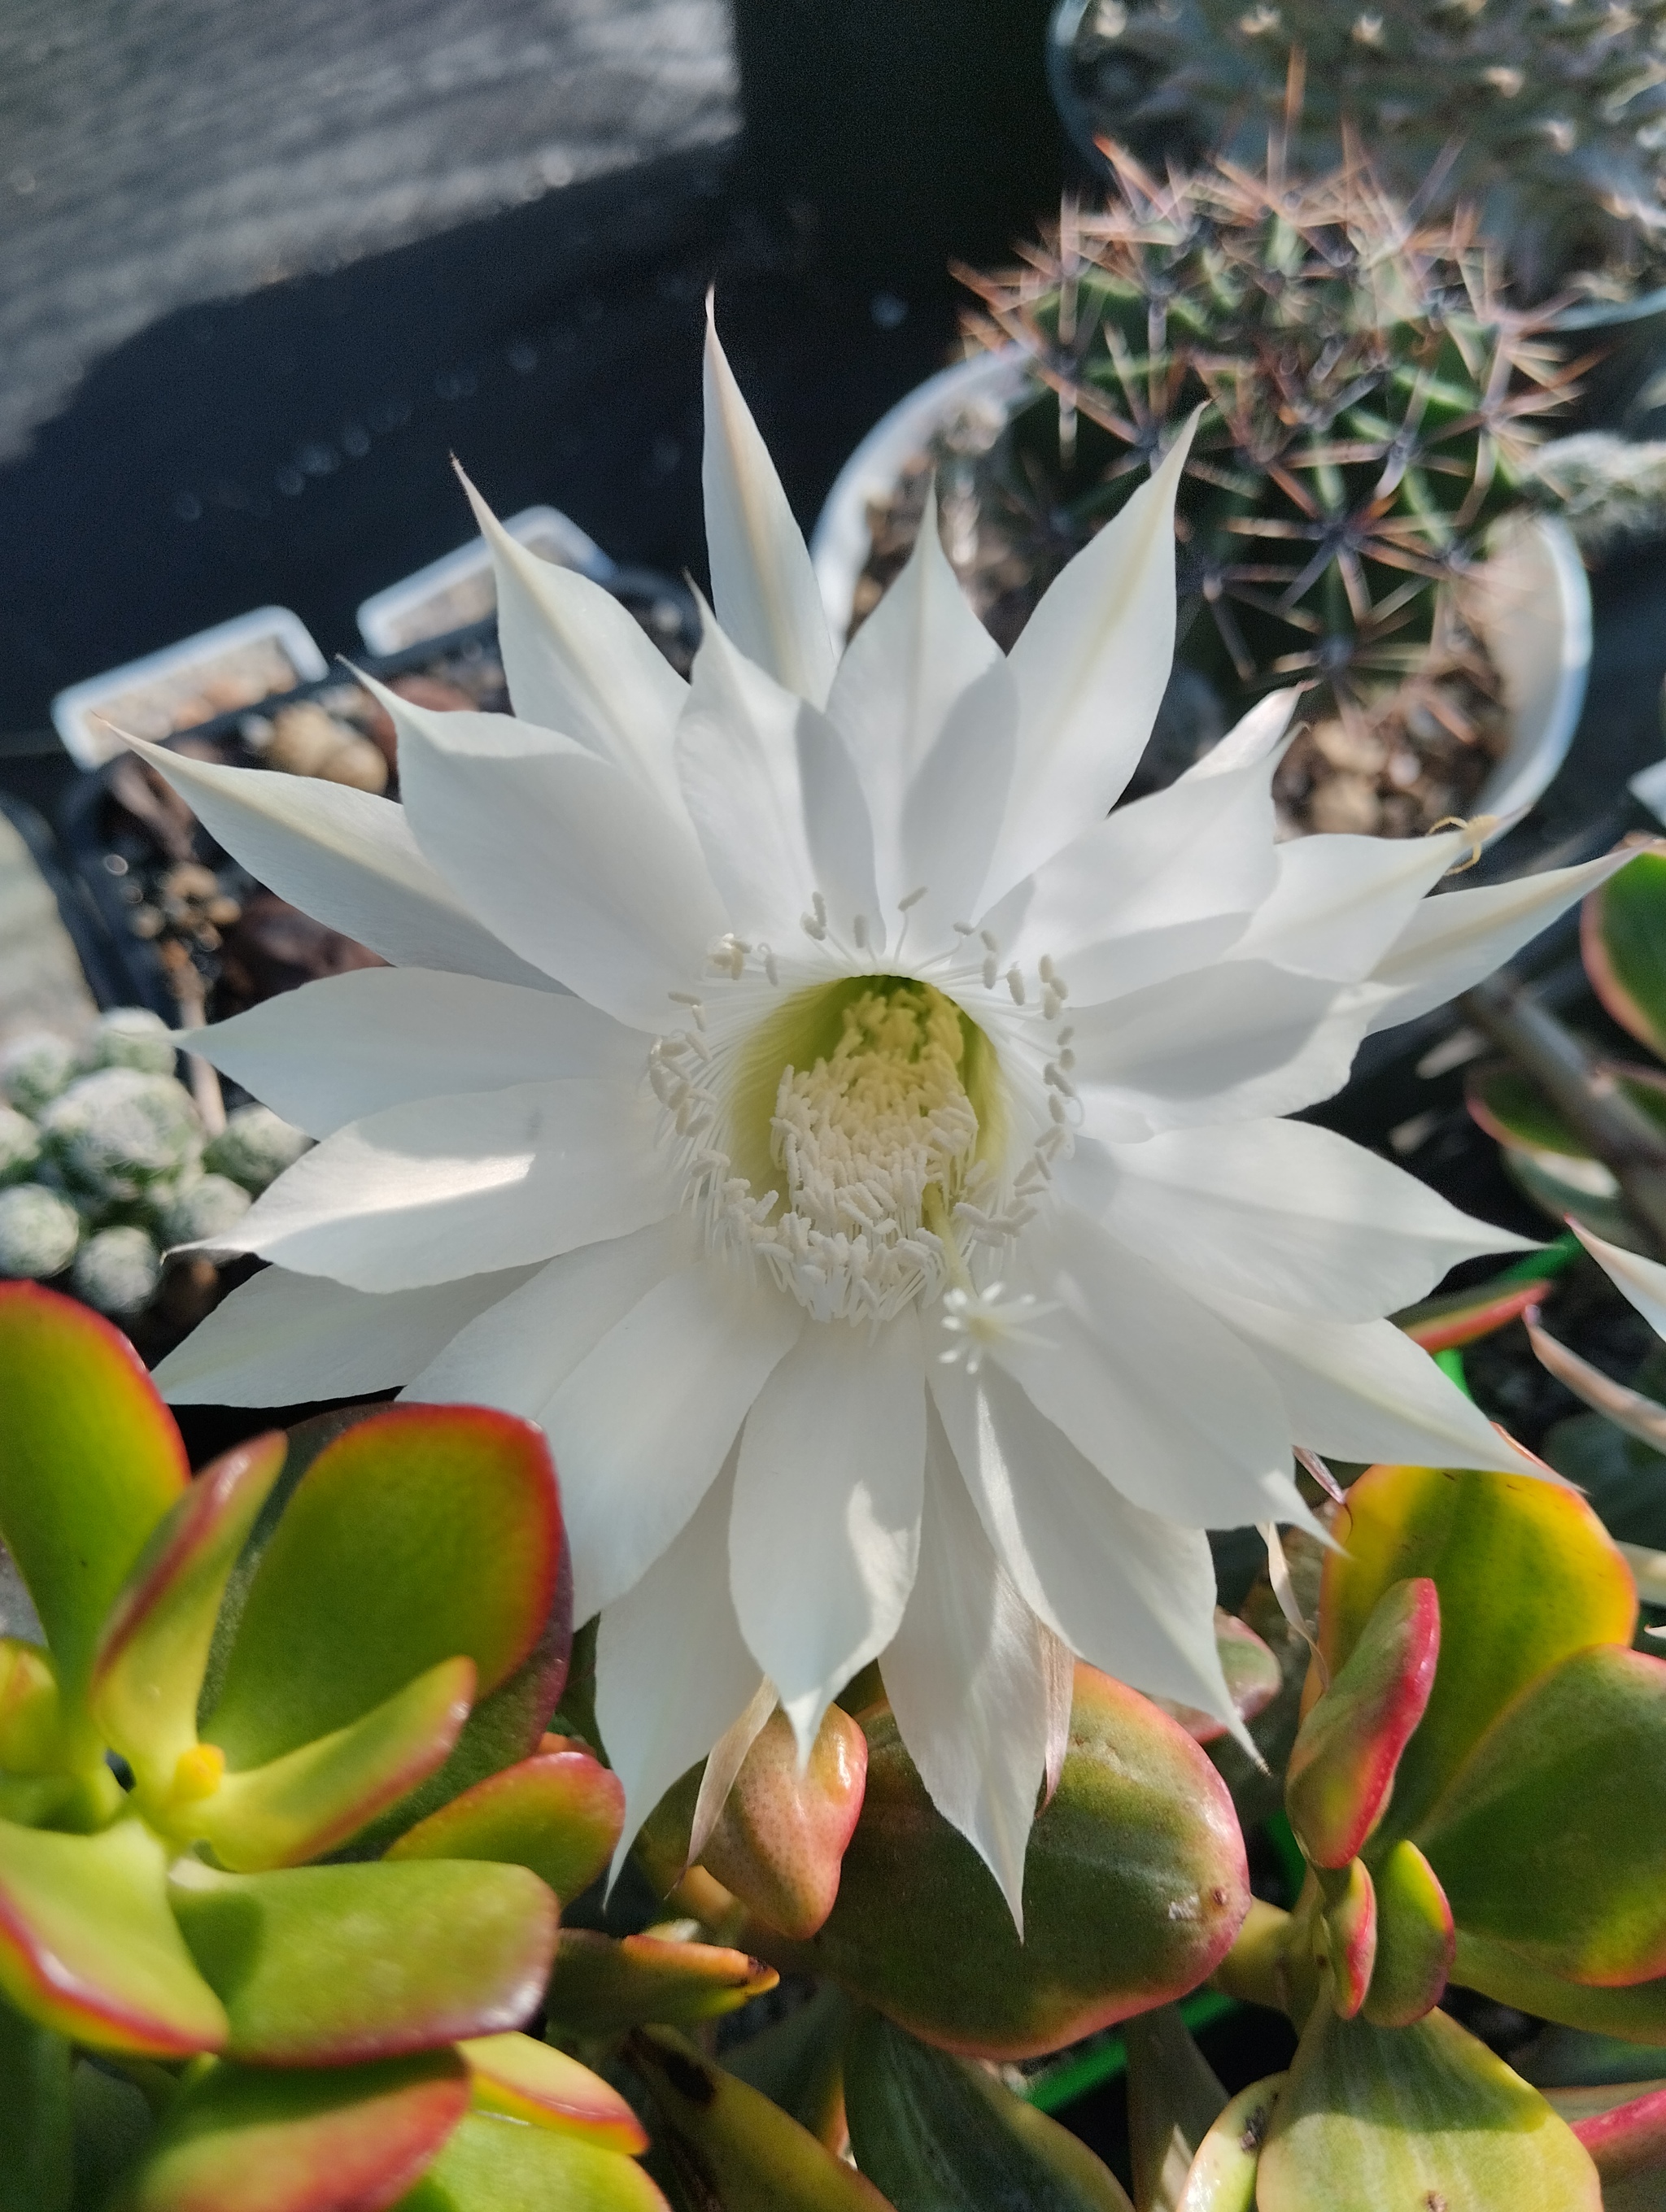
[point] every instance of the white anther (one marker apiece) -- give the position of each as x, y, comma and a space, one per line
682, 998
913, 899
812, 928
991, 942
771, 965
1051, 1002
1044, 968
819, 906
963, 928
858, 931
1066, 1036
1015, 984
991, 972
1067, 1058
1055, 1107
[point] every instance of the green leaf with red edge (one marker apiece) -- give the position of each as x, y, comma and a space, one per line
533, 2082
1134, 1885
1552, 1836
305, 1804
1512, 1109
426, 1534
492, 2165
89, 1947
1342, 1764
1622, 2125
1622, 938
343, 2139
1414, 1940
1253, 1679
90, 1459
778, 1841
1350, 1925
1526, 1574
1460, 1317
1636, 2015
1223, 2175
147, 1669
601, 1985
336, 1964
559, 1813
30, 1709
1415, 2117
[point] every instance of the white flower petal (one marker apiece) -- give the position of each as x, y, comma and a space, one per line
1251, 740
1131, 1592
1237, 1041
724, 1762
585, 871
671, 1671
967, 1678
1147, 1383
532, 1341
1157, 887
351, 1045
1455, 939
1092, 666
953, 815
286, 1339
442, 1187
643, 1423
579, 662
1643, 1281
346, 858
1296, 1216
763, 585
826, 1527
1340, 902
1363, 1390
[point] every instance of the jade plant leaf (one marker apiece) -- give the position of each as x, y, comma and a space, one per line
1419, 2116
1552, 1836
532, 2081
30, 1709
1623, 2130
90, 1459
1633, 2014
1526, 1574
493, 2163
1460, 1317
147, 1669
779, 1840
1512, 1109
239, 2139
1342, 1766
1351, 1936
1174, 2100
1253, 1679
601, 1986
927, 2128
36, 2145
1414, 1939
1134, 1887
1223, 2175
559, 1813
332, 1966
1622, 938
743, 2152
112, 2123
89, 1947
426, 1534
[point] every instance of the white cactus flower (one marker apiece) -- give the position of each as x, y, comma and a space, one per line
751, 1043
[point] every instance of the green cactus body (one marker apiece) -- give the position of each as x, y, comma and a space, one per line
119, 1134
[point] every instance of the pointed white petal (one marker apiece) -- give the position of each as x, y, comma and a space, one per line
583, 870
518, 1355
763, 584
671, 1671
924, 701
643, 1423
1453, 940
1157, 888
1340, 902
839, 827
285, 1340
1240, 1040
1131, 1592
351, 1045
1256, 737
1296, 1216
967, 1678
1363, 1390
442, 1187
347, 859
725, 1760
579, 662
826, 1526
1643, 1281
1092, 666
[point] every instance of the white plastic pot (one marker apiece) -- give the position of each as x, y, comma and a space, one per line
1533, 601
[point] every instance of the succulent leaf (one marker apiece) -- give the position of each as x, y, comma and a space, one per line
29, 1711
1622, 939
1414, 1940
335, 1965
36, 2145
1174, 2100
343, 2139
1223, 2175
491, 2164
425, 1533
1626, 2136
89, 1947
90, 1460
1351, 1938
559, 1813
601, 1986
533, 2082
1447, 1324
1513, 1110
1633, 2014
1253, 1676
1342, 1766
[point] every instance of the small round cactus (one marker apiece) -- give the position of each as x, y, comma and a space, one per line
132, 1036
208, 1207
20, 1145
120, 1133
35, 1068
38, 1232
254, 1147
117, 1272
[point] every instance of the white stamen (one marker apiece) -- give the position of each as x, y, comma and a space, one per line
913, 899
991, 972
858, 931
991, 943
986, 1321
1015, 984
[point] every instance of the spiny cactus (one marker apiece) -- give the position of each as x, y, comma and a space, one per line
1547, 113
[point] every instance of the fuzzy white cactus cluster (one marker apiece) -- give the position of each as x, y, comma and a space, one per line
105, 1165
